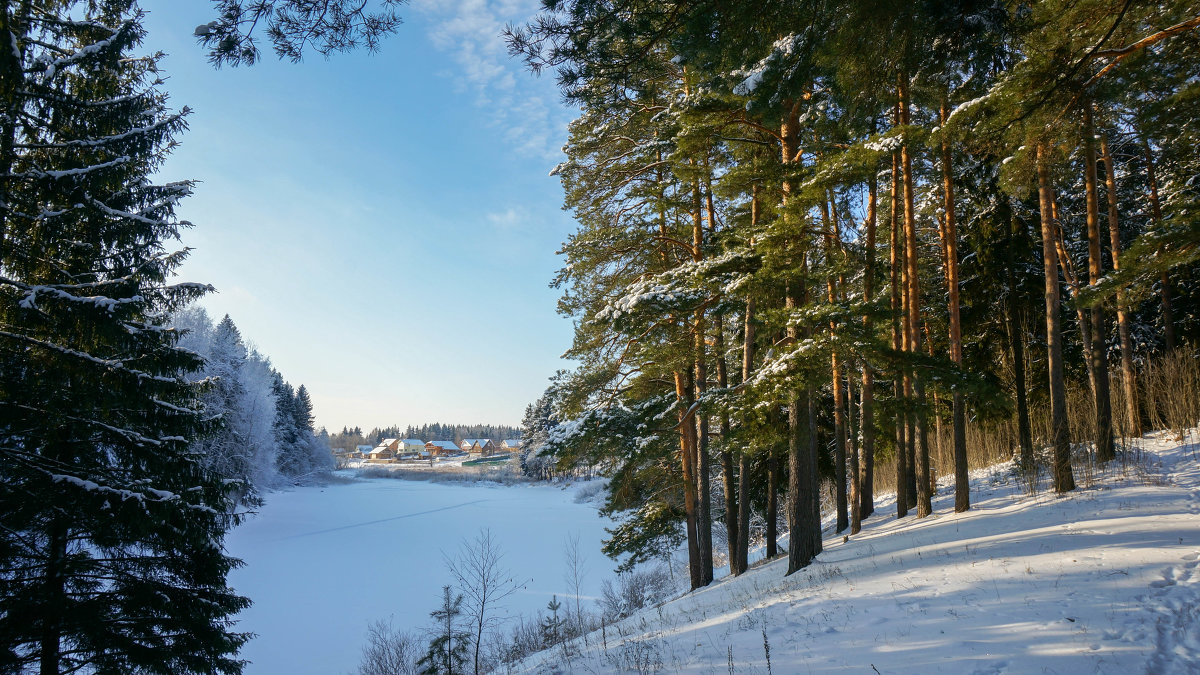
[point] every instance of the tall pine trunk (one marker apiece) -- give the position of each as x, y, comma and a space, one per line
1064, 479
866, 495
921, 440
803, 507
743, 501
700, 385
897, 288
687, 455
1132, 418
1104, 437
728, 480
839, 402
1016, 340
949, 232
740, 558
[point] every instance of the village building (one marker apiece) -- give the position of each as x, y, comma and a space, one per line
382, 455
392, 444
442, 448
511, 445
410, 447
478, 446
360, 451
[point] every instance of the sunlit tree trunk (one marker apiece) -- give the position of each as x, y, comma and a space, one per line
1064, 479
866, 494
687, 455
949, 232
704, 494
898, 342
921, 445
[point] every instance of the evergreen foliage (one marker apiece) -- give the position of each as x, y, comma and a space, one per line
448, 650
111, 557
814, 234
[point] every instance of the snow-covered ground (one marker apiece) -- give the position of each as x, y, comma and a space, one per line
1103, 580
323, 563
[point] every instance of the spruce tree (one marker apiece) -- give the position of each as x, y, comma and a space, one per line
111, 531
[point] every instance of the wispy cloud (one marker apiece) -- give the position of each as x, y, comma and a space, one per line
525, 108
510, 218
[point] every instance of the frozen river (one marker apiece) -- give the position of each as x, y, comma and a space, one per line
323, 563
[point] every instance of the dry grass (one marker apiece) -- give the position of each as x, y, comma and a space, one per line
1169, 392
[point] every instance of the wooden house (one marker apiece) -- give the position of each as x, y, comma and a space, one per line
382, 455
479, 446
442, 448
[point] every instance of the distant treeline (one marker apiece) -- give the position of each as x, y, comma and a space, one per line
350, 437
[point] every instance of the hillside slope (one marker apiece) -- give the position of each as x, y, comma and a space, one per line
1103, 580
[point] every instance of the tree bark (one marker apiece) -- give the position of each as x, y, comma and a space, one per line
703, 473
803, 508
50, 642
728, 481
867, 418
1064, 479
1016, 339
700, 385
1104, 438
949, 232
898, 342
740, 558
839, 402
1128, 377
921, 447
687, 455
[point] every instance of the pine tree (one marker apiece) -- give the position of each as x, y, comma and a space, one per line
447, 652
111, 546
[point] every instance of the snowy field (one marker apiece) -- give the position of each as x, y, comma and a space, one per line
1103, 580
323, 563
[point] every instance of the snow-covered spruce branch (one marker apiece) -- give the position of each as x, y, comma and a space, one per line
151, 495
64, 173
50, 68
108, 363
103, 140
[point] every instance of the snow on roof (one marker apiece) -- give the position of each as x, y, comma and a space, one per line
513, 442
412, 441
388, 441
473, 441
444, 444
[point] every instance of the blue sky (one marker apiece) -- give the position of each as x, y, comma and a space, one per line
382, 226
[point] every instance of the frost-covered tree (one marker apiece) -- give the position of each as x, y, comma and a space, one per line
111, 556
240, 402
299, 453
535, 430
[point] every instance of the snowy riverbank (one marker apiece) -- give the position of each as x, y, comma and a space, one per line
1102, 580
